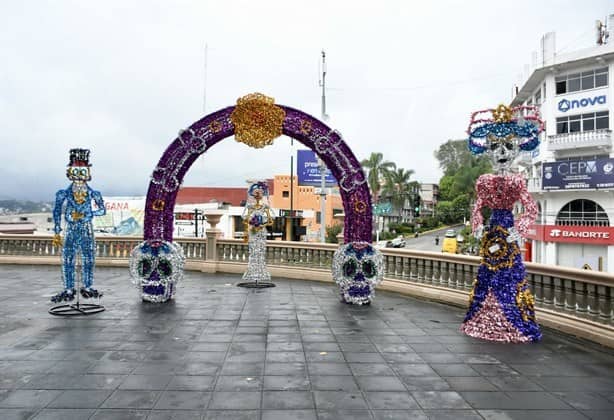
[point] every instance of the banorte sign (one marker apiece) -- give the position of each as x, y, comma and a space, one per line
593, 235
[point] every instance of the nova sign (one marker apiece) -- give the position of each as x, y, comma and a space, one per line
566, 104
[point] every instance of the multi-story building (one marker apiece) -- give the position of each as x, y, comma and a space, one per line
571, 175
429, 196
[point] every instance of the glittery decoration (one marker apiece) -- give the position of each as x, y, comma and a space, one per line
158, 205
305, 127
360, 206
215, 126
156, 267
501, 192
257, 120
256, 217
75, 202
168, 174
490, 323
502, 113
501, 275
523, 122
495, 250
357, 268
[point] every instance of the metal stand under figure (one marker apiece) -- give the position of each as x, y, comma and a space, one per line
78, 245
77, 308
256, 217
501, 305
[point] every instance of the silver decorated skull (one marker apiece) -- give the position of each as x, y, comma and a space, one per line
156, 267
357, 268
502, 151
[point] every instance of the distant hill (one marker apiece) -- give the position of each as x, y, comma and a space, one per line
23, 206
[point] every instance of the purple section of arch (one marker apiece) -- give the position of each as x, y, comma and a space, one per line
191, 143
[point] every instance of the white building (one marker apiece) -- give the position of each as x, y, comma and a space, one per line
571, 175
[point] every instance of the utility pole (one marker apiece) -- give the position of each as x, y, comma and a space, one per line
289, 228
205, 80
321, 164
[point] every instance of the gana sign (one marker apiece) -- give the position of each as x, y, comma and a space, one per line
565, 105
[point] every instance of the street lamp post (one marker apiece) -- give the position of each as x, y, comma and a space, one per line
322, 168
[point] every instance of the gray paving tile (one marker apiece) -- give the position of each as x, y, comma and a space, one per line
120, 415
287, 400
175, 415
333, 383
238, 383
534, 415
243, 400
131, 399
286, 383
399, 415
470, 383
344, 415
380, 383
16, 413
391, 400
184, 400
511, 400
336, 400
80, 399
64, 414
432, 400
191, 383
29, 398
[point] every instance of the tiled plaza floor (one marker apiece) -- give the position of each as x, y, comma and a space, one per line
290, 352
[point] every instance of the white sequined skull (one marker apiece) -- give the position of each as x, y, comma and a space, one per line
156, 268
502, 151
357, 268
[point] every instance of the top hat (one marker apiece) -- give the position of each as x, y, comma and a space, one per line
79, 157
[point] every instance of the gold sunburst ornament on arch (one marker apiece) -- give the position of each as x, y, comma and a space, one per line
257, 120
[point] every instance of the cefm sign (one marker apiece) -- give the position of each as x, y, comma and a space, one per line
565, 105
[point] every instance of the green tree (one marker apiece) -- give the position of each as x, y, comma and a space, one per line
461, 170
376, 168
398, 187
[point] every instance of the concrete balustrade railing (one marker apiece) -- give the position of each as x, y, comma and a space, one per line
575, 301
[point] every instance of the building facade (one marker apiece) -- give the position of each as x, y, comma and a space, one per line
571, 175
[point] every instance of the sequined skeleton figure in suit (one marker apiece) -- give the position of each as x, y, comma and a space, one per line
501, 305
75, 203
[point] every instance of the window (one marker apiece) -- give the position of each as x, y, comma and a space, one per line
585, 80
582, 213
584, 122
602, 120
538, 97
285, 194
318, 217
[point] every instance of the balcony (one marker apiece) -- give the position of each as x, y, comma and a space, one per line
582, 139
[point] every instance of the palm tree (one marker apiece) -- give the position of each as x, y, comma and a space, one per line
398, 187
377, 168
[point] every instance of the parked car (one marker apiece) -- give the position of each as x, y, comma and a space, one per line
398, 242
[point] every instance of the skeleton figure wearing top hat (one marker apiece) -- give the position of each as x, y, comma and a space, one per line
75, 202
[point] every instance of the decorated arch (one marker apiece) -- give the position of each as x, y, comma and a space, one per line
257, 121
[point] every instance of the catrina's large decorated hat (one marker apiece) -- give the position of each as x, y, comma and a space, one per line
522, 122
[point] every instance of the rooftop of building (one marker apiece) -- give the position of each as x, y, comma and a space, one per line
562, 63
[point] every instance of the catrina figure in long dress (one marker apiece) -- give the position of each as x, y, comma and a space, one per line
501, 306
256, 217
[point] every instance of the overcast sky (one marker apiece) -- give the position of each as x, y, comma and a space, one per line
122, 77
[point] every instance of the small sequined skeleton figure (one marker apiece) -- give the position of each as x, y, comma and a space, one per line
256, 217
76, 203
501, 306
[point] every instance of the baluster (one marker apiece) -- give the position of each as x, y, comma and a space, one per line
559, 294
427, 271
413, 268
538, 289
605, 303
581, 293
436, 272
406, 275
445, 273
398, 267
593, 301
548, 291
569, 287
